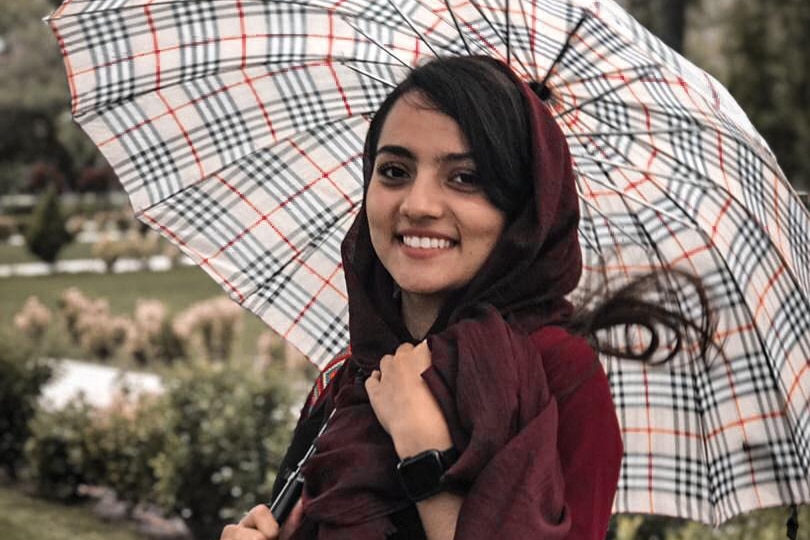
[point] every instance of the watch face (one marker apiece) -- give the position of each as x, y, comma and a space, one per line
421, 475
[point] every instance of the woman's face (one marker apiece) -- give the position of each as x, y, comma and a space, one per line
431, 224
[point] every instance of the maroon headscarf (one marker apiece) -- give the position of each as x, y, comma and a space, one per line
481, 355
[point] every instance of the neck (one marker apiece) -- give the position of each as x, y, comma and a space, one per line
419, 312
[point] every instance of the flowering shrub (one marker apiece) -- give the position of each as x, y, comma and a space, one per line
268, 348
108, 250
33, 319
226, 428
56, 451
207, 449
152, 338
121, 441
102, 335
72, 303
210, 327
90, 324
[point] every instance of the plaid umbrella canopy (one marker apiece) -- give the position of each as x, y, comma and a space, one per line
236, 127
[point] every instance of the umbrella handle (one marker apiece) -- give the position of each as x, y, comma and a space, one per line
286, 499
294, 486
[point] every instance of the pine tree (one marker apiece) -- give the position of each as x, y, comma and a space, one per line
47, 233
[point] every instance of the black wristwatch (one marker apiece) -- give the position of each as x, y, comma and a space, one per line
421, 475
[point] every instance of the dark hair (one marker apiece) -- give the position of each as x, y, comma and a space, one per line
489, 109
482, 96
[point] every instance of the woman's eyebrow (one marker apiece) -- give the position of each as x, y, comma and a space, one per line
403, 152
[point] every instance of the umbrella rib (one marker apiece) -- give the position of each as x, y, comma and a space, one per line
674, 159
566, 46
458, 28
629, 132
608, 219
663, 112
413, 27
532, 35
389, 84
598, 97
619, 165
695, 227
508, 36
497, 33
377, 43
607, 74
643, 203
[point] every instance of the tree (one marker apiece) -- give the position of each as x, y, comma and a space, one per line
21, 382
767, 53
665, 18
34, 98
47, 234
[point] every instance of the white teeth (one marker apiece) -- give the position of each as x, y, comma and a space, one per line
426, 243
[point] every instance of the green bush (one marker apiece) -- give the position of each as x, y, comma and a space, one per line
206, 449
47, 233
21, 381
57, 452
226, 428
121, 443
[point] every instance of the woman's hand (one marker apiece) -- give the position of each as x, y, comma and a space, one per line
259, 524
403, 403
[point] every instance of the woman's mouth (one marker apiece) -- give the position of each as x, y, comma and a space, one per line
426, 242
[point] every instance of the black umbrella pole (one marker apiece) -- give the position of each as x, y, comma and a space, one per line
283, 504
289, 495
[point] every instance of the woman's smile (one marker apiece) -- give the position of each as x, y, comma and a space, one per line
431, 224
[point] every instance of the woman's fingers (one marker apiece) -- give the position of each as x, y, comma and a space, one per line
260, 520
403, 403
238, 532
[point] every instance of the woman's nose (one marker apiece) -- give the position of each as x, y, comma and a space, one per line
423, 199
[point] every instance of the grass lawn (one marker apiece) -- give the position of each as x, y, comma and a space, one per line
26, 518
177, 288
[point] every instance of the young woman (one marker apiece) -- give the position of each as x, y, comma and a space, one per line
466, 409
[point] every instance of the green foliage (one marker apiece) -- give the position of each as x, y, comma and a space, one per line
121, 443
226, 428
207, 449
665, 18
34, 94
767, 524
21, 381
48, 233
768, 57
57, 453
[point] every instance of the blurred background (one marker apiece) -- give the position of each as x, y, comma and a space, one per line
136, 400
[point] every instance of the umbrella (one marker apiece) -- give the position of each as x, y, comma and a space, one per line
236, 127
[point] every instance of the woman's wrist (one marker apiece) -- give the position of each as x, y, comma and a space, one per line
408, 443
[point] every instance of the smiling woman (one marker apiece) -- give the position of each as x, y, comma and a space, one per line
431, 223
466, 406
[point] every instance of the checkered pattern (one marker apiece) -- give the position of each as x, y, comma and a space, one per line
237, 129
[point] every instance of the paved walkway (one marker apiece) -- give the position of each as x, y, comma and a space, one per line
158, 263
96, 382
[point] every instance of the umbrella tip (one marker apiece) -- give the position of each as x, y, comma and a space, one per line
542, 91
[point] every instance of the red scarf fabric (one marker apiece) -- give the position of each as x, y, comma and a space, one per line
487, 375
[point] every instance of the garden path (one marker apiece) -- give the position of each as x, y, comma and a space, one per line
98, 383
158, 263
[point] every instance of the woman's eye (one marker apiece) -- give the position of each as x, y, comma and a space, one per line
392, 172
468, 181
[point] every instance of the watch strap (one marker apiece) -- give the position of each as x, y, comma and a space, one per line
421, 476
